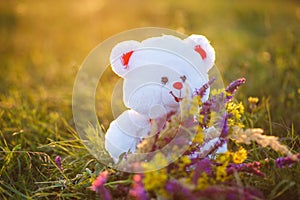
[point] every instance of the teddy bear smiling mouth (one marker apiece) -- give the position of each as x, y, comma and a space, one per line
177, 99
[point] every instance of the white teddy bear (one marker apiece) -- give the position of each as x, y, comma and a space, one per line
157, 72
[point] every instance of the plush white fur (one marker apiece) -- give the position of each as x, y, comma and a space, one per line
150, 70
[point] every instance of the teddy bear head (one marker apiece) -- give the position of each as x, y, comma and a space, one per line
158, 72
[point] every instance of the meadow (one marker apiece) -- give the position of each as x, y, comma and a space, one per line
43, 44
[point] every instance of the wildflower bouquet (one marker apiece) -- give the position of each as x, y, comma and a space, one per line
202, 171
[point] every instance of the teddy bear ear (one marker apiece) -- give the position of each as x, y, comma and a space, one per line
120, 56
202, 46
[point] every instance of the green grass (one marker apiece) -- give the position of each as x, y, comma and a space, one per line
43, 44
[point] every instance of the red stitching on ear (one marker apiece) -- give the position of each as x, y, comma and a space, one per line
200, 51
125, 59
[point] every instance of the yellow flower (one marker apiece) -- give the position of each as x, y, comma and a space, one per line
216, 92
201, 119
158, 161
221, 174
224, 158
199, 137
194, 106
199, 100
180, 169
185, 160
239, 156
174, 153
298, 90
155, 180
202, 182
236, 112
253, 100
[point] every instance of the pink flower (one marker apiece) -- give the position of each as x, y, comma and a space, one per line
98, 185
100, 180
138, 191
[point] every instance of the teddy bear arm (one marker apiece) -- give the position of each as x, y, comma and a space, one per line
125, 133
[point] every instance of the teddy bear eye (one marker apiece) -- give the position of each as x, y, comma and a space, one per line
164, 80
183, 78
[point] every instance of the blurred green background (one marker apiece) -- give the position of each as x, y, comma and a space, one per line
43, 44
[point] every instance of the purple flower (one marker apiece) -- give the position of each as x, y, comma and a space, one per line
178, 191
233, 86
98, 185
218, 144
286, 161
252, 168
218, 102
205, 111
203, 165
58, 162
138, 191
224, 126
105, 194
230, 192
201, 92
214, 103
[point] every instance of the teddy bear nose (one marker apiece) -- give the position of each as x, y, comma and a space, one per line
177, 85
